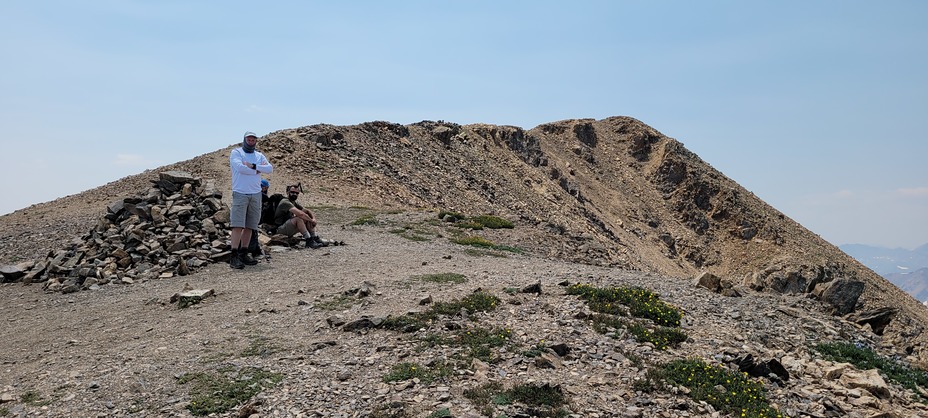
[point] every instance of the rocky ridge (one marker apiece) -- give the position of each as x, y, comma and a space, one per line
613, 194
610, 192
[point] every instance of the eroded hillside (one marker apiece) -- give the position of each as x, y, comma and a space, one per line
611, 192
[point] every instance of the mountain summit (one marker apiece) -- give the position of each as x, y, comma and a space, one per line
613, 192
610, 194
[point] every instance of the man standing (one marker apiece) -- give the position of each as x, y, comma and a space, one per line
247, 164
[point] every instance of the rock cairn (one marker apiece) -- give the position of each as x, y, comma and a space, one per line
178, 225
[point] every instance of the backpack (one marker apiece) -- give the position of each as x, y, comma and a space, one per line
269, 208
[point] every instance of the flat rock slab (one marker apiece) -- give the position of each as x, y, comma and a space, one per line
191, 297
11, 273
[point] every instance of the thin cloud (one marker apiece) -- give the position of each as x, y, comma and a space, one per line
843, 194
913, 192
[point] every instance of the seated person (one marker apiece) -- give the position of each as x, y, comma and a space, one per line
291, 218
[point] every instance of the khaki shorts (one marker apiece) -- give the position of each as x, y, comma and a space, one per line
288, 228
245, 210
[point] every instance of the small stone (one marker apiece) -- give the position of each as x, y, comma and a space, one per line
191, 297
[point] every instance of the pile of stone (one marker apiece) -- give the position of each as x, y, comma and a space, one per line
179, 225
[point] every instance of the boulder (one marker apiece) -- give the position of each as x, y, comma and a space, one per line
878, 319
708, 281
842, 295
12, 273
869, 380
179, 177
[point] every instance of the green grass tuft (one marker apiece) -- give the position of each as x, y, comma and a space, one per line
477, 342
472, 303
406, 322
481, 341
485, 396
441, 413
454, 215
865, 358
260, 347
426, 374
538, 395
442, 278
661, 337
728, 391
466, 224
216, 393
33, 398
492, 222
468, 342
474, 241
634, 301
481, 242
549, 399
365, 220
476, 222
614, 303
391, 410
412, 234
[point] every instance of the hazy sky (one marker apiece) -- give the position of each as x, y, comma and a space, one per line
818, 107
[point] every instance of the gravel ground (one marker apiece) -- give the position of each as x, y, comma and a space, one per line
120, 350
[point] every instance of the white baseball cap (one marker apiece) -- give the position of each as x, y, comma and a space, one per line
250, 133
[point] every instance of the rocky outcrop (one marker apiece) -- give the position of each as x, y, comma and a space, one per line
174, 228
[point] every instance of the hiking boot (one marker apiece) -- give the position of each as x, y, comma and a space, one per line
234, 260
319, 241
246, 258
313, 243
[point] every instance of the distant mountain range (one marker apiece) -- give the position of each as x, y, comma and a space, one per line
907, 269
